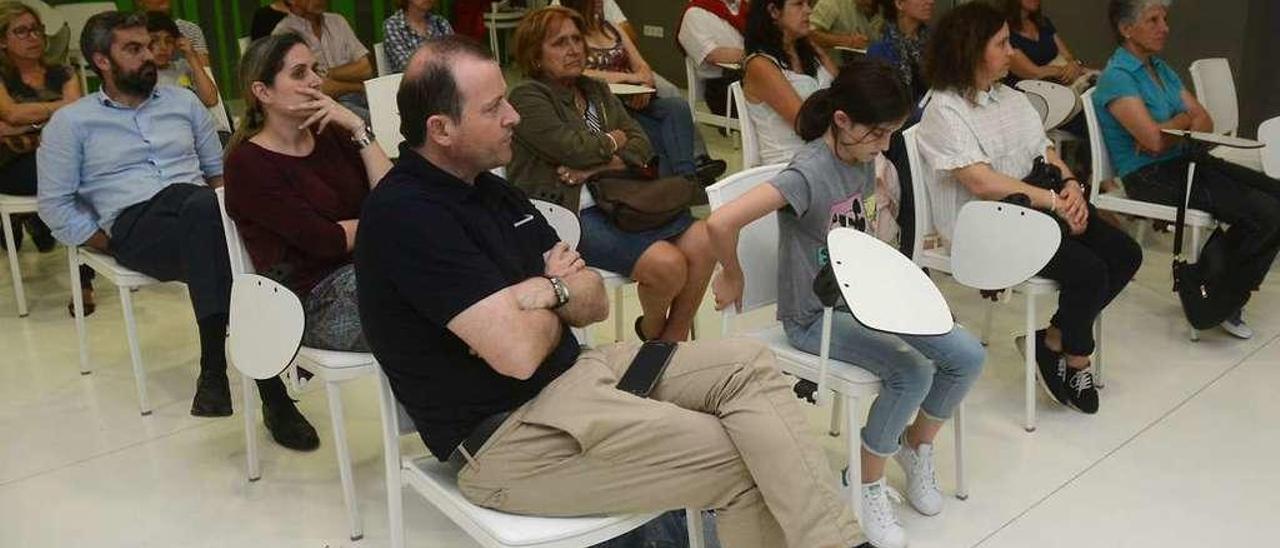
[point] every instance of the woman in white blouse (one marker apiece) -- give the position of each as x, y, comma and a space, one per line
783, 68
982, 138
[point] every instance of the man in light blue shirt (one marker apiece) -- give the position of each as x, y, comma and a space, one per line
128, 172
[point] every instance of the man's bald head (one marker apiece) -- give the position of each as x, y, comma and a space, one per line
429, 86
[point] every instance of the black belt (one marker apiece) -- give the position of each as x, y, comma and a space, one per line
479, 435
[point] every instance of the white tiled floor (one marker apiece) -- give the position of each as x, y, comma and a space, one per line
1180, 456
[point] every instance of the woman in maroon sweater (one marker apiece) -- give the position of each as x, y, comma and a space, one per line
297, 173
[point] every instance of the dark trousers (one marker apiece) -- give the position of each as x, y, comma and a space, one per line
1091, 269
18, 177
177, 236
716, 92
1247, 200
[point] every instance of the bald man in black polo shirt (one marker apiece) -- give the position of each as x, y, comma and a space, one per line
467, 296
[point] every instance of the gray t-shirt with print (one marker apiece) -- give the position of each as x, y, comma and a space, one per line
823, 192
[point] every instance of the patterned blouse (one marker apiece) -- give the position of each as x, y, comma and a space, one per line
402, 40
613, 58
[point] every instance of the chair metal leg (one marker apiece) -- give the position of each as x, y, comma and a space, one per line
338, 418
253, 464
135, 352
837, 416
854, 443
1029, 359
11, 244
957, 422
693, 517
619, 320
391, 462
1097, 352
1195, 258
987, 319
77, 305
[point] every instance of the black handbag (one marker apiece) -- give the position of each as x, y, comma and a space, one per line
1208, 293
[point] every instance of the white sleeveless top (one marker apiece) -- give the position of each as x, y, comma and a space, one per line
777, 138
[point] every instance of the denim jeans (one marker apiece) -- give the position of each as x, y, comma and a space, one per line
669, 125
930, 373
666, 531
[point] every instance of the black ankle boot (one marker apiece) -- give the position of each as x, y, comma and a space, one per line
213, 395
286, 424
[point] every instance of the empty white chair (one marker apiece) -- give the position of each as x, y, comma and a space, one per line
750, 141
693, 95
1007, 268
758, 257
501, 17
76, 16
256, 305
380, 59
1269, 134
1216, 90
384, 113
11, 205
1196, 219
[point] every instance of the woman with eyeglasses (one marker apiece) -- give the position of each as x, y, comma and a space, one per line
833, 181
30, 91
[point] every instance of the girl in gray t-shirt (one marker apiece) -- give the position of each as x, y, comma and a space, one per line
832, 182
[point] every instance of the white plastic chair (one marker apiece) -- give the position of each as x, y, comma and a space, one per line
1007, 268
1269, 133
253, 306
750, 142
76, 16
384, 113
758, 256
11, 205
569, 230
1196, 219
126, 281
1056, 104
501, 17
380, 59
221, 121
1216, 90
693, 95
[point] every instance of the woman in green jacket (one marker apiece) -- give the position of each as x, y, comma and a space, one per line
572, 127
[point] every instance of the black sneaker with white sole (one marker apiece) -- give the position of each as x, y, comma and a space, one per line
1082, 395
1051, 367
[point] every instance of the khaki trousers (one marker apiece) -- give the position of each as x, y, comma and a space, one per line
721, 431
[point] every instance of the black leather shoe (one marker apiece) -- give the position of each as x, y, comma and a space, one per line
708, 170
288, 427
213, 396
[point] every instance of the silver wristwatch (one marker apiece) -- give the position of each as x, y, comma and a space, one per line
562, 290
363, 138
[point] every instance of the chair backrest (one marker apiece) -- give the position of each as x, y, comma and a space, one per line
750, 143
564, 222
240, 261
758, 241
1216, 90
1100, 157
76, 15
920, 179
693, 86
221, 121
243, 43
384, 114
380, 59
1269, 134
997, 245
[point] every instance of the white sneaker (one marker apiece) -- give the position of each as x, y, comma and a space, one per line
922, 480
1236, 327
879, 520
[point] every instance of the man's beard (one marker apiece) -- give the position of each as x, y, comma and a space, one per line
139, 83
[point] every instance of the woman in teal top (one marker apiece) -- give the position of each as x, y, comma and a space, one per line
1139, 95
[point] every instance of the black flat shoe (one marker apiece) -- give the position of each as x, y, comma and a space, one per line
213, 396
709, 170
288, 427
41, 234
639, 331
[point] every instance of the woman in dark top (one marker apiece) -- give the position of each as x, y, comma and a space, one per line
906, 35
267, 17
572, 127
297, 174
30, 91
1038, 51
